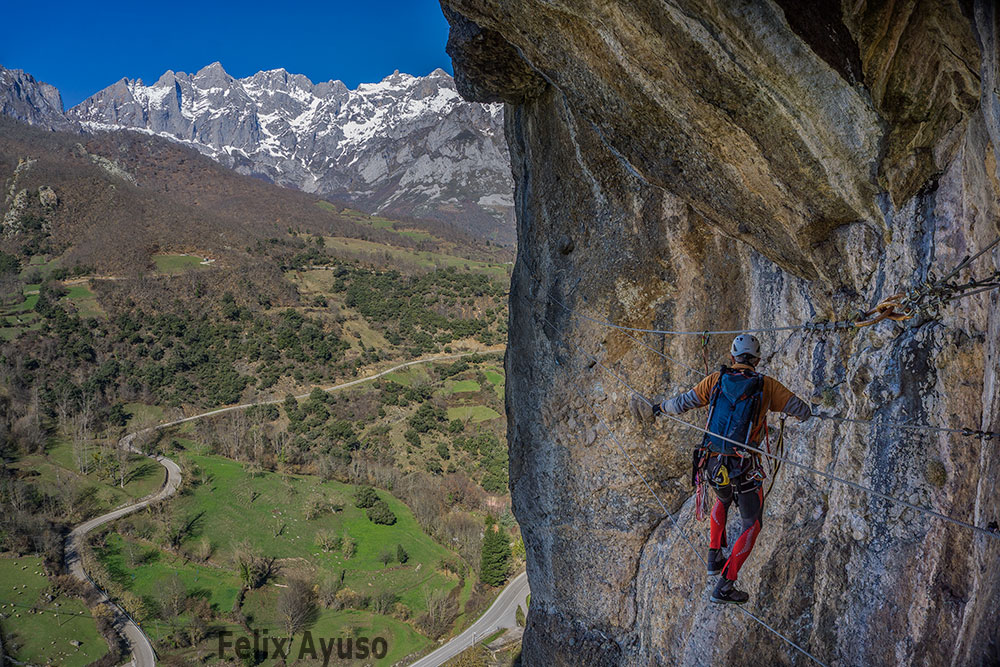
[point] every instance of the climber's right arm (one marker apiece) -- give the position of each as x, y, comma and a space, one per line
689, 400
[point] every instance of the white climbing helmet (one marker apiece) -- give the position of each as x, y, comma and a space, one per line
745, 344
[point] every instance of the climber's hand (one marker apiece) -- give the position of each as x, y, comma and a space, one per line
641, 409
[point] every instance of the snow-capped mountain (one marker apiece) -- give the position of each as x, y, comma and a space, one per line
406, 146
32, 101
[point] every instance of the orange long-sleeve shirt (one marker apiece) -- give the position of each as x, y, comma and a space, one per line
775, 397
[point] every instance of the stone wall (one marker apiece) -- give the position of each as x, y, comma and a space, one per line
712, 165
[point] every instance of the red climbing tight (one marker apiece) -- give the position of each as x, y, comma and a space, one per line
717, 535
741, 551
750, 502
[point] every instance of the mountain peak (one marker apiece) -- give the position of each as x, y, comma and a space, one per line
32, 101
168, 78
214, 74
389, 146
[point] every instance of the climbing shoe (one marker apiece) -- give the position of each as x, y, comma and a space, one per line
726, 593
716, 561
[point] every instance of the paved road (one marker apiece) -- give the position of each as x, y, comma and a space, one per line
501, 614
143, 654
142, 649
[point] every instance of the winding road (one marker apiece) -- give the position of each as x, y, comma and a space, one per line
501, 615
143, 654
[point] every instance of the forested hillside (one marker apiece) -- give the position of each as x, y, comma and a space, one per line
142, 282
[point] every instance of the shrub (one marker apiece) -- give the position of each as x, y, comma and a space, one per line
383, 602
350, 547
401, 554
327, 540
381, 514
427, 417
365, 497
349, 599
315, 506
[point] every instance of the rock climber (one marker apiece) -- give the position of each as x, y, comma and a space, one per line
739, 400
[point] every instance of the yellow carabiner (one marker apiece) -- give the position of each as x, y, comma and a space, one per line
724, 474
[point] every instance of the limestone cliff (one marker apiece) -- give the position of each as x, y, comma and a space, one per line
709, 164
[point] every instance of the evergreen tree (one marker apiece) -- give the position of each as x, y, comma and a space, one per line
495, 556
365, 497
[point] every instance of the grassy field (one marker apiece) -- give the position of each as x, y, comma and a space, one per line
400, 637
274, 521
360, 329
410, 375
417, 258
39, 263
84, 300
58, 472
267, 509
375, 221
153, 568
462, 386
142, 413
495, 378
20, 317
42, 629
176, 263
473, 413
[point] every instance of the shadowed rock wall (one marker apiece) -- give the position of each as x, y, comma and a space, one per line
716, 165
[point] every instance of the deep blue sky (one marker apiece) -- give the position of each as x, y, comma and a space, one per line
82, 47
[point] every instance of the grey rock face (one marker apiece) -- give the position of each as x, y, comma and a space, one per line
32, 101
719, 165
406, 146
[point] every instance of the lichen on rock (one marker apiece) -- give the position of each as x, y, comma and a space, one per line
714, 165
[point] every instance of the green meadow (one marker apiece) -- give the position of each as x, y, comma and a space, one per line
226, 505
473, 413
462, 387
37, 630
57, 473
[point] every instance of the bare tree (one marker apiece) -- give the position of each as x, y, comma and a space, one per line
82, 437
122, 456
64, 409
295, 605
173, 596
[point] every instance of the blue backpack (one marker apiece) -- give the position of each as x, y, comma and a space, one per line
735, 403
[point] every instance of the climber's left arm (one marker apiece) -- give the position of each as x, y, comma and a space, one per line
780, 399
